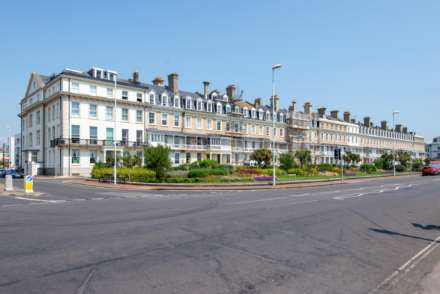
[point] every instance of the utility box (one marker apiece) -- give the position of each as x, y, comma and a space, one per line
9, 184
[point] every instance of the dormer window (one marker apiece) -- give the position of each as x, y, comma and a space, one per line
164, 100
99, 74
152, 99
281, 118
260, 114
209, 106
245, 112
199, 105
219, 108
267, 115
228, 108
253, 113
176, 102
214, 95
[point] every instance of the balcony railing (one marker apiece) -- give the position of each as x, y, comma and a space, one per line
93, 142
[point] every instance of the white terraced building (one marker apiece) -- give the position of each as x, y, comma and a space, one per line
69, 122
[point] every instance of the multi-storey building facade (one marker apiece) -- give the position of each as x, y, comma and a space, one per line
73, 119
433, 149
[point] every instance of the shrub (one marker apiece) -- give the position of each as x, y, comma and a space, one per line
368, 168
158, 160
99, 171
287, 161
325, 167
269, 171
208, 163
400, 168
304, 171
417, 165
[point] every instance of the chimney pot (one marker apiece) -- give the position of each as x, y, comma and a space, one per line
384, 125
405, 130
347, 116
292, 107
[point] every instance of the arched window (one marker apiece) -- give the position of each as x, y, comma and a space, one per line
228, 108
281, 117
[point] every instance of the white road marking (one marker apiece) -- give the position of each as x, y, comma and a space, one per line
407, 266
37, 200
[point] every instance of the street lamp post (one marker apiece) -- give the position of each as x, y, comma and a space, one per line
394, 143
114, 135
274, 67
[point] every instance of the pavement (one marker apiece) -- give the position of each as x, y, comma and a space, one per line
370, 237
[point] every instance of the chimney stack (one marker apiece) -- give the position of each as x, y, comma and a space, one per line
205, 89
405, 130
384, 125
307, 108
367, 121
135, 78
321, 111
158, 81
353, 121
275, 100
230, 91
398, 128
334, 114
257, 103
173, 83
292, 107
347, 116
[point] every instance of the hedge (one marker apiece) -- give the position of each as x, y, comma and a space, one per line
204, 172
368, 168
137, 174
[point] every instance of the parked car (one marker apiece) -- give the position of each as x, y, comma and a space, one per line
15, 174
2, 172
431, 170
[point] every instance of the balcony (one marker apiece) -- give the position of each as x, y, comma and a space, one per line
62, 142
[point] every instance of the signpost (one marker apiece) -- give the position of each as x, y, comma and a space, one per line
28, 184
338, 156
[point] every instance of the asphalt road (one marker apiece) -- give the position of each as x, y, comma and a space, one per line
368, 237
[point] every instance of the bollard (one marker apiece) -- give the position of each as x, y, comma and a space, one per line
28, 184
9, 185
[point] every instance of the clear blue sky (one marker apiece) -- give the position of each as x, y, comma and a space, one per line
369, 57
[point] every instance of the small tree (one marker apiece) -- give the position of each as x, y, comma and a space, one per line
404, 157
350, 157
263, 157
304, 157
158, 160
287, 160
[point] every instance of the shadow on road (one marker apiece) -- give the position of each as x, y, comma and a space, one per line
388, 232
426, 227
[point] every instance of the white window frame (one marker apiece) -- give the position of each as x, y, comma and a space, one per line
123, 112
107, 116
73, 112
90, 110
139, 118
164, 118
